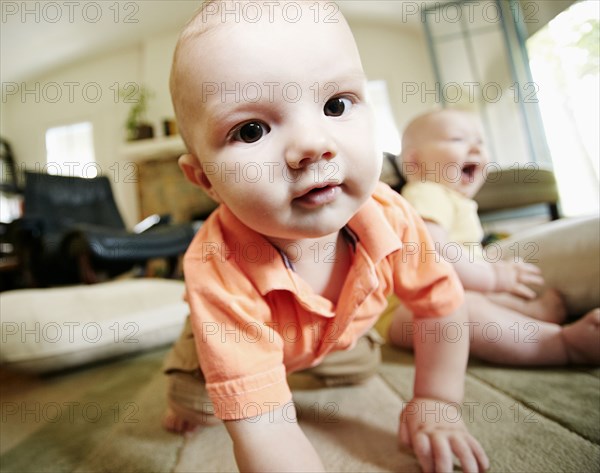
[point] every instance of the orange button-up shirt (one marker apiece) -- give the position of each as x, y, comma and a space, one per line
254, 319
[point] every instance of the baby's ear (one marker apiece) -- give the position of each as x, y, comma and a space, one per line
192, 169
410, 163
409, 156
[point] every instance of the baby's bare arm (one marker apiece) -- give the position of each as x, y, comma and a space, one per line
481, 276
440, 363
273, 442
431, 422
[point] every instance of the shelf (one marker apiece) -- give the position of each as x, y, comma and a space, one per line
154, 148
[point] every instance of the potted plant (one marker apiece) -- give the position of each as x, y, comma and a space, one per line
136, 124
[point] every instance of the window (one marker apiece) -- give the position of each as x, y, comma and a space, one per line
479, 64
564, 57
387, 134
70, 150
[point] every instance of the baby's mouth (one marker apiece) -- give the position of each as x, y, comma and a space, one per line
319, 195
468, 172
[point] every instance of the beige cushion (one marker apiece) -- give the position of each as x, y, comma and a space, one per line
567, 251
508, 188
52, 329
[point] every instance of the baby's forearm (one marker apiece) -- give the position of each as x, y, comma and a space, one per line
273, 442
477, 276
441, 362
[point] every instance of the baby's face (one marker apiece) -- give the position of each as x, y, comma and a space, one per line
451, 151
279, 122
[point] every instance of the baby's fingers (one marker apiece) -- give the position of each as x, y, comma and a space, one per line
422, 448
465, 456
403, 434
470, 454
523, 291
530, 268
531, 279
442, 454
480, 455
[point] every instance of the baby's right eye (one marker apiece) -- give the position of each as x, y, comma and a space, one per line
250, 132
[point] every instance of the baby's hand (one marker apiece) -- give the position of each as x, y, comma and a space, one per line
435, 431
516, 277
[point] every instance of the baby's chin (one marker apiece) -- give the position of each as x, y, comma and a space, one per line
318, 228
309, 228
468, 190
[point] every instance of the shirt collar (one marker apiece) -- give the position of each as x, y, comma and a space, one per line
269, 269
264, 265
375, 233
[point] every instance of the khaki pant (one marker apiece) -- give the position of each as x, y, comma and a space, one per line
186, 391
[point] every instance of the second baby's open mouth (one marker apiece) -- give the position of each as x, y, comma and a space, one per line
468, 172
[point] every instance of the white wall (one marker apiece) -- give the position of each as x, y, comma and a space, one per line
156, 67
27, 116
399, 56
395, 54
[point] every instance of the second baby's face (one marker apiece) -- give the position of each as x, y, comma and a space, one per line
451, 151
278, 120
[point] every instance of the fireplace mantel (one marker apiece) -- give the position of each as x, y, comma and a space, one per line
155, 148
161, 186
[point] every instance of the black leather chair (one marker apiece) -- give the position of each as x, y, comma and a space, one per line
391, 173
72, 232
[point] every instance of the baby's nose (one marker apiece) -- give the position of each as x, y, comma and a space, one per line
309, 144
476, 147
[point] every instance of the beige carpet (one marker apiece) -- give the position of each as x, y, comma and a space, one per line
105, 418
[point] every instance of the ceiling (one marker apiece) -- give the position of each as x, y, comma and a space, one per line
36, 37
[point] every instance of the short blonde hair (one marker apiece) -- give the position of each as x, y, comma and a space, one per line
210, 14
411, 133
196, 26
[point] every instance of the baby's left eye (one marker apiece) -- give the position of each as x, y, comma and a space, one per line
337, 106
250, 132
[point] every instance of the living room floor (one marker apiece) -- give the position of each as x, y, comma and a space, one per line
106, 418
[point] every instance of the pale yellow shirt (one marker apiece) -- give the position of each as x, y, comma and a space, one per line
454, 212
